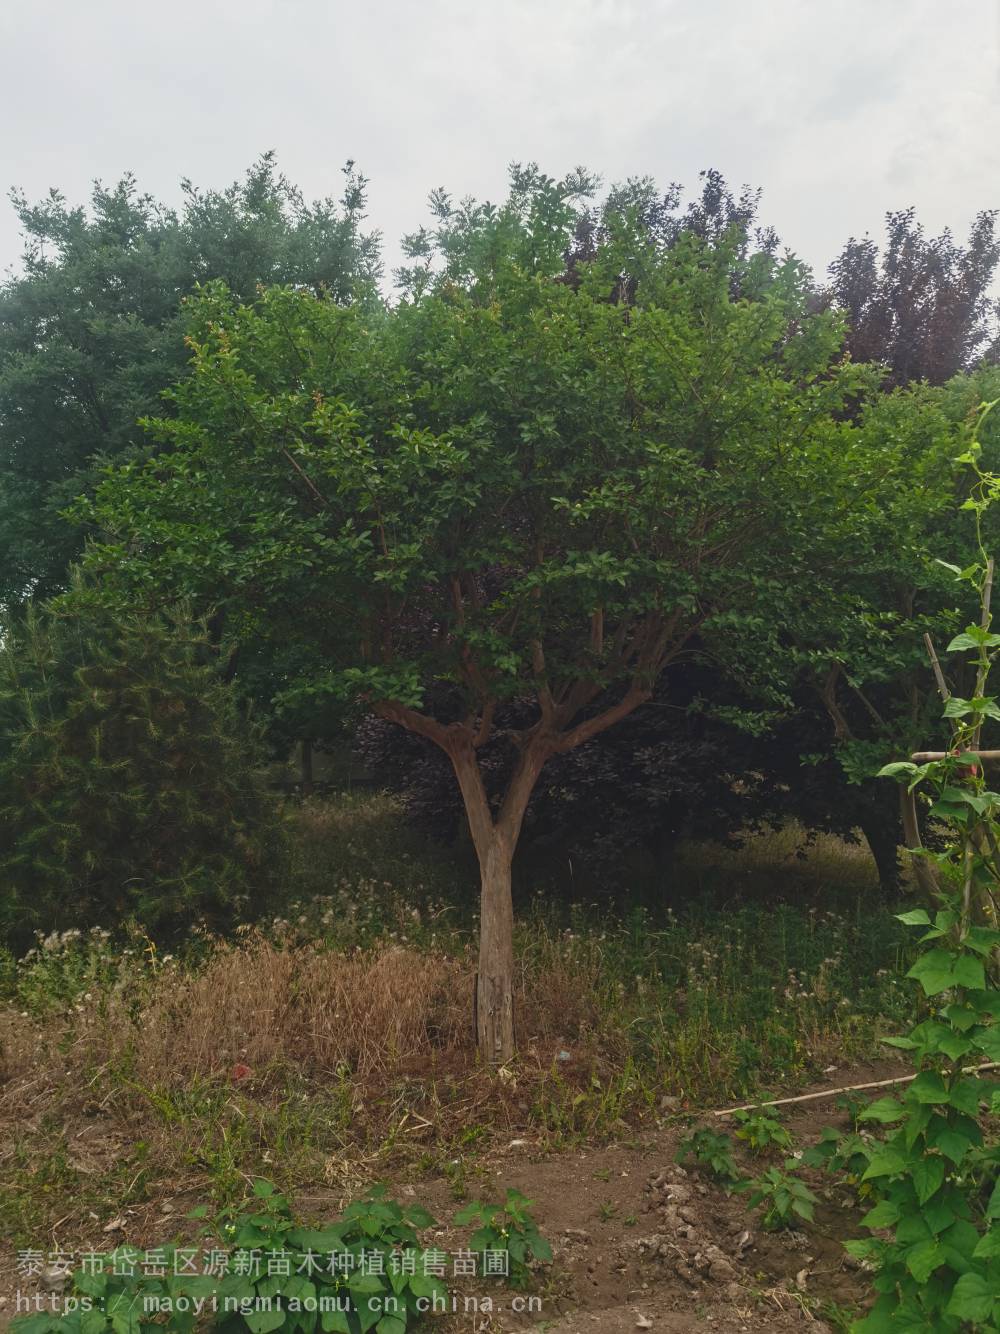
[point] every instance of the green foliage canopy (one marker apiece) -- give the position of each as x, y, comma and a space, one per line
508, 486
91, 329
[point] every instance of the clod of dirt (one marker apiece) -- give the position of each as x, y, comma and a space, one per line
793, 1241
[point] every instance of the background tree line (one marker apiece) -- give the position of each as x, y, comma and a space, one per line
628, 520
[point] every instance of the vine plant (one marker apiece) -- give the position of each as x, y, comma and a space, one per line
935, 1248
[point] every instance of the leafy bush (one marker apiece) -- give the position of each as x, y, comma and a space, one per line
846, 1156
91, 328
712, 1151
263, 1271
269, 1273
761, 1131
935, 1250
129, 783
510, 1228
781, 1195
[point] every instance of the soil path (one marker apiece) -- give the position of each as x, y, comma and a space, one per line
639, 1243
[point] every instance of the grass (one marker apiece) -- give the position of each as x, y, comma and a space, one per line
336, 1035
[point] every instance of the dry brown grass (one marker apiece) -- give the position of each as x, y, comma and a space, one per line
271, 1057
261, 1005
828, 859
274, 1007
21, 1047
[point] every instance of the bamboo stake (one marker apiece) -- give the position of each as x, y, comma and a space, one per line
942, 686
847, 1088
925, 756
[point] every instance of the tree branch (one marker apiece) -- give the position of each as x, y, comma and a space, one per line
942, 684
828, 694
597, 631
542, 689
592, 727
415, 721
485, 724
457, 742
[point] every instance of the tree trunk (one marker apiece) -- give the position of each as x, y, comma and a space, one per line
495, 841
306, 762
495, 980
495, 838
882, 837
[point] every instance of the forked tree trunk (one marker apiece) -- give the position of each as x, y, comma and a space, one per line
495, 838
495, 841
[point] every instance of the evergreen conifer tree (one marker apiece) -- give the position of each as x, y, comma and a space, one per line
130, 786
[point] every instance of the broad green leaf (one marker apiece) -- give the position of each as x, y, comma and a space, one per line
885, 1213
972, 1298
915, 917
938, 970
969, 972
885, 1110
363, 1284
927, 1175
965, 1094
390, 1324
334, 1322
957, 707
921, 1260
885, 1162
928, 1088
262, 1322
989, 1247
953, 1144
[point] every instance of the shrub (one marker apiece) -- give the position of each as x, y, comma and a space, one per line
935, 1237
267, 1272
129, 784
780, 1195
760, 1131
712, 1151
508, 1229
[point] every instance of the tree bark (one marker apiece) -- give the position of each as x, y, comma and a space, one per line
495, 979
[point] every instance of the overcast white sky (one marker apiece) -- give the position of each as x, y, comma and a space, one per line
840, 109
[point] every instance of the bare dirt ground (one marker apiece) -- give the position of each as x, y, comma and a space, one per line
642, 1243
639, 1242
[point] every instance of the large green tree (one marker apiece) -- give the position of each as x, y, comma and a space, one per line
498, 513
845, 687
91, 329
